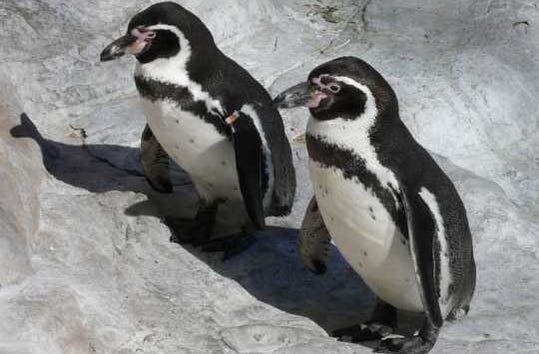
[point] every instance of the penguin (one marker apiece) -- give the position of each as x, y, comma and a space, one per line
389, 208
212, 118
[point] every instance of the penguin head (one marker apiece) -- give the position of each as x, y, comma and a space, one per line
160, 31
346, 88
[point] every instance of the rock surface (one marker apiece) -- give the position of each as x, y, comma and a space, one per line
87, 267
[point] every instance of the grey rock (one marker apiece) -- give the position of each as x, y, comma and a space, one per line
87, 267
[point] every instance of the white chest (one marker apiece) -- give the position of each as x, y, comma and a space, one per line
359, 224
196, 146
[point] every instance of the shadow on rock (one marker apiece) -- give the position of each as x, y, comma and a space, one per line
270, 270
82, 165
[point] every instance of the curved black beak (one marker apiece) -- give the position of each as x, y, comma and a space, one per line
299, 95
118, 48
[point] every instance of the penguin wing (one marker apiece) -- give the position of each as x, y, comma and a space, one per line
284, 184
314, 240
155, 162
249, 164
422, 233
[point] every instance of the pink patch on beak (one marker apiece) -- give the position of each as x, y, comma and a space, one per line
314, 102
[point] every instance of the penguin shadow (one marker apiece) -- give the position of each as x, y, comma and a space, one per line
101, 168
83, 166
270, 270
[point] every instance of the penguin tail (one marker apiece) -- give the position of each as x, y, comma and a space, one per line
26, 129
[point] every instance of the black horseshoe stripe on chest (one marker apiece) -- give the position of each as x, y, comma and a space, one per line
354, 167
155, 90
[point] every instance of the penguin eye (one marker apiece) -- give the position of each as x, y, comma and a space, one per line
334, 88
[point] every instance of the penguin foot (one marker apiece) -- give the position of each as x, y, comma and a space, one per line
188, 230
231, 245
404, 345
363, 332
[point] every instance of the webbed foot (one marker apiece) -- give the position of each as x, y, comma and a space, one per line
405, 345
231, 245
363, 332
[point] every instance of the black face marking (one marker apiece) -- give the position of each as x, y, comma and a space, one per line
344, 101
354, 167
166, 44
155, 90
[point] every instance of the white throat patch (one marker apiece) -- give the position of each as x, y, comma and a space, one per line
354, 134
173, 70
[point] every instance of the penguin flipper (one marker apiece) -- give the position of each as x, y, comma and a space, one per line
314, 240
249, 164
422, 227
155, 162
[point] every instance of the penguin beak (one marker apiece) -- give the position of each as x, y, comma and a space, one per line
136, 42
301, 95
118, 48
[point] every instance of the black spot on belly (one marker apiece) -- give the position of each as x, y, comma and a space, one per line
192, 141
355, 169
223, 163
365, 253
178, 121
